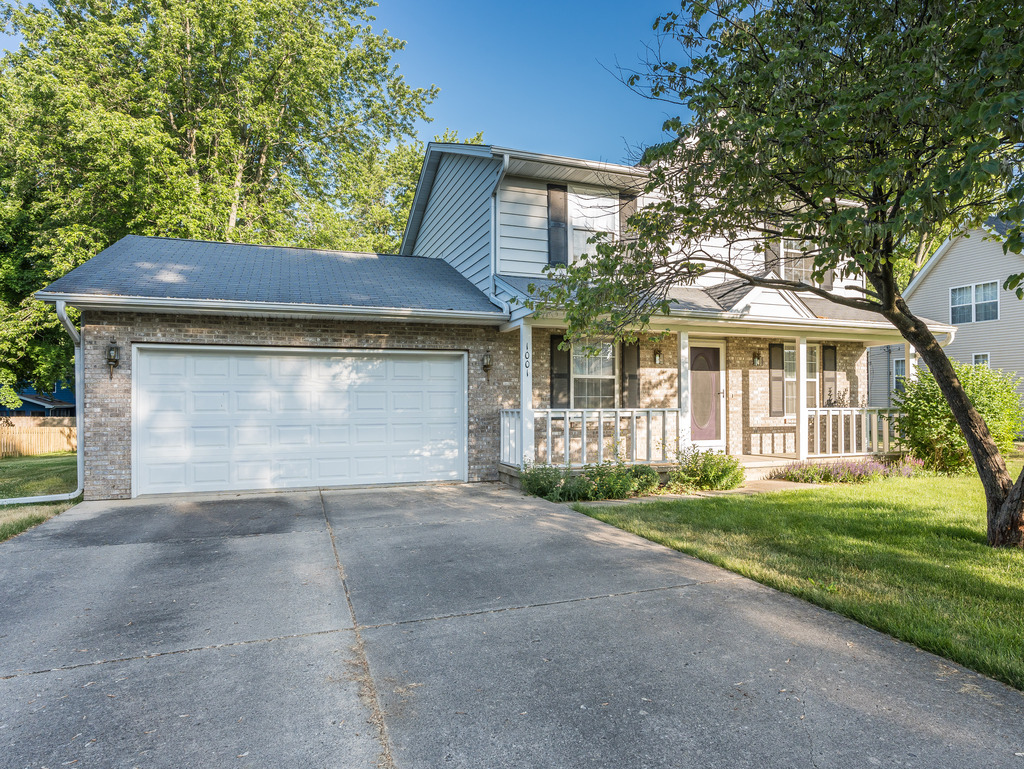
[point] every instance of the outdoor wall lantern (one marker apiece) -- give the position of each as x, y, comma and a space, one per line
657, 357
486, 363
113, 357
758, 360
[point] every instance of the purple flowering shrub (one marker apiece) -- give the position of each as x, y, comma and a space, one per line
848, 470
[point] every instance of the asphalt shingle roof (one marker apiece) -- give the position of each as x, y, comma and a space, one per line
168, 268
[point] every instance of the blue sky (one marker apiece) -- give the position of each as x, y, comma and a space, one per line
531, 75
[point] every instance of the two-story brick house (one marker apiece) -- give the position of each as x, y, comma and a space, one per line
210, 367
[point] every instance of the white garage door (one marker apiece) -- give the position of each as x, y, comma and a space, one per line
231, 419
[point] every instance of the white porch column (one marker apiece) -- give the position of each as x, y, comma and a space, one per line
910, 356
683, 388
526, 395
801, 398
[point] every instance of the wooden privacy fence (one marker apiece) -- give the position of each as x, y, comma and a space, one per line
27, 436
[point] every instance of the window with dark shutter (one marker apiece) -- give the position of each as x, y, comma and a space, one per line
630, 375
627, 207
828, 374
559, 374
558, 220
776, 380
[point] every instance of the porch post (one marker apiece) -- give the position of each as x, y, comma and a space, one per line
526, 395
910, 367
683, 388
801, 398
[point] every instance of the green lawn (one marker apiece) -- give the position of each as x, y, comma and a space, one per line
905, 556
34, 476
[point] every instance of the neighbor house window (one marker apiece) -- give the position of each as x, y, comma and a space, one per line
593, 375
981, 359
977, 303
899, 375
591, 210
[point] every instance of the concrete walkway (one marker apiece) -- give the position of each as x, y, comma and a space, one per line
461, 626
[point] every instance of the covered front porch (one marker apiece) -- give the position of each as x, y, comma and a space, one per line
735, 391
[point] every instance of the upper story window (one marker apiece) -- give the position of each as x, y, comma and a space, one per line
591, 210
981, 359
797, 264
974, 304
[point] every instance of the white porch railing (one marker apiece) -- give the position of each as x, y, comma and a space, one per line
576, 437
837, 432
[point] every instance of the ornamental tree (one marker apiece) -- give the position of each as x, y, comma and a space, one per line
865, 131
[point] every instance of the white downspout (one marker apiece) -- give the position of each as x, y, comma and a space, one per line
79, 417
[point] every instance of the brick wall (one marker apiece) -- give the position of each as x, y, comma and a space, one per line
107, 440
749, 429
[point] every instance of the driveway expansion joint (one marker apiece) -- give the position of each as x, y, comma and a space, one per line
368, 688
170, 652
544, 604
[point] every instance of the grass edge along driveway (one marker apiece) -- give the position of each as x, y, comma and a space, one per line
906, 556
34, 476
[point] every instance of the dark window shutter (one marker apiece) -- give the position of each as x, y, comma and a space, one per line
627, 207
776, 381
829, 281
773, 256
828, 374
559, 374
558, 220
630, 375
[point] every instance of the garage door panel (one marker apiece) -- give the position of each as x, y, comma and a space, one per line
225, 420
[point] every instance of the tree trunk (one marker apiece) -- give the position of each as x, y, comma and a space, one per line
1004, 499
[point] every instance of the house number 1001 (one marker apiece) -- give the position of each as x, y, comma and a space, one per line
526, 357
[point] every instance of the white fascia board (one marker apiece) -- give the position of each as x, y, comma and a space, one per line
225, 307
561, 160
939, 253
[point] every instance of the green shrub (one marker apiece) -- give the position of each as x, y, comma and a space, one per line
708, 469
540, 480
612, 480
646, 478
609, 480
926, 425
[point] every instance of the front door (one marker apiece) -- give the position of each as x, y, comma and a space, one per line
705, 394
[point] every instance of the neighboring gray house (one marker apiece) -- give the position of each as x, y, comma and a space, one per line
962, 285
213, 367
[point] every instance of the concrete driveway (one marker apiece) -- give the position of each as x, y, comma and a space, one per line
460, 626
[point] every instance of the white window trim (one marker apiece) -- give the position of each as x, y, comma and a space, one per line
896, 377
973, 304
784, 261
616, 363
815, 383
988, 358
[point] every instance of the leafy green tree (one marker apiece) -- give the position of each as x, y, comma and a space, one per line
249, 121
859, 129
